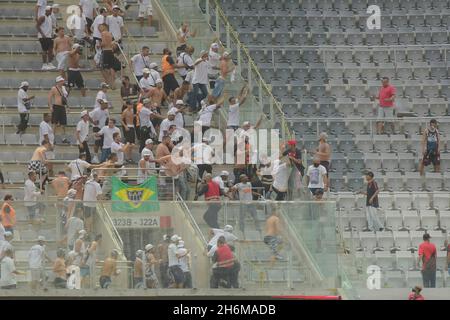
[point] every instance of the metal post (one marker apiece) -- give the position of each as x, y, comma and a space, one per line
217, 23
239, 65
228, 36
173, 189
208, 17
272, 112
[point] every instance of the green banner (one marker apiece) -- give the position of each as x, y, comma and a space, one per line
135, 198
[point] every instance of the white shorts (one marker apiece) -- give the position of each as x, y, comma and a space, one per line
61, 58
145, 11
385, 112
36, 274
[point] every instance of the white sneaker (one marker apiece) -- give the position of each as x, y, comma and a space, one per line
51, 66
95, 160
44, 66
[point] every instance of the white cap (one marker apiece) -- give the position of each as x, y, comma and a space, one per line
72, 192
171, 113
104, 84
103, 100
148, 247
146, 70
146, 100
82, 232
215, 45
41, 238
226, 54
158, 81
76, 46
72, 254
175, 238
139, 253
116, 7
59, 78
153, 65
48, 8
8, 234
55, 5
148, 141
146, 153
24, 84
246, 123
83, 113
203, 52
225, 173
181, 244
228, 228
180, 102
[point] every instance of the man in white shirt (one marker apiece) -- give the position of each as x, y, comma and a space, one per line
245, 192
165, 125
40, 9
185, 62
213, 64
179, 110
147, 81
206, 113
82, 134
147, 130
145, 10
222, 181
141, 61
36, 258
46, 131
22, 102
89, 10
174, 265
101, 95
200, 80
235, 103
316, 178
148, 150
31, 196
79, 166
115, 24
8, 271
99, 19
121, 149
227, 232
107, 133
280, 175
92, 193
73, 226
44, 27
98, 117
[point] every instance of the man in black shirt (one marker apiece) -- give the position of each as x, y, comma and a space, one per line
373, 222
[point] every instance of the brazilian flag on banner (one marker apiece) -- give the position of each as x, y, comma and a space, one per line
134, 198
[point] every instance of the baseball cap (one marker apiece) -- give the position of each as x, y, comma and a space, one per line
246, 123
153, 65
215, 46
203, 52
146, 70
104, 85
83, 232
179, 102
59, 78
146, 153
75, 46
83, 113
139, 253
224, 173
228, 228
8, 234
146, 100
41, 238
175, 238
103, 100
158, 81
148, 141
226, 54
292, 142
48, 8
116, 7
148, 247
171, 113
24, 84
181, 244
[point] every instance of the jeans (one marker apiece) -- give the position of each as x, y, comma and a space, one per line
429, 278
106, 152
32, 210
218, 88
210, 215
199, 96
373, 222
85, 149
244, 208
182, 185
220, 274
23, 125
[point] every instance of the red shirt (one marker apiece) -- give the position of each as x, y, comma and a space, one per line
427, 249
386, 93
413, 297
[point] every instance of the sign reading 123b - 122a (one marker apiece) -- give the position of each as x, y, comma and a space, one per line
136, 222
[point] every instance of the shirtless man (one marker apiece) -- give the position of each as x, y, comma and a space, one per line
182, 91
109, 269
273, 230
106, 174
157, 94
164, 260
38, 162
138, 273
61, 48
108, 56
324, 151
61, 185
127, 120
75, 78
225, 69
182, 36
57, 102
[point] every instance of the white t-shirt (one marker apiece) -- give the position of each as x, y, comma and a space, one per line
316, 176
280, 175
151, 165
42, 4
147, 83
74, 224
206, 115
184, 59
21, 94
8, 278
88, 7
219, 181
233, 115
31, 193
229, 237
179, 120
214, 61
78, 167
45, 128
35, 256
2, 232
172, 253
91, 190
189, 76
80, 30
144, 119
100, 19
183, 261
107, 133
139, 63
46, 27
83, 128
101, 95
115, 23
204, 151
115, 148
164, 126
99, 115
245, 191
201, 73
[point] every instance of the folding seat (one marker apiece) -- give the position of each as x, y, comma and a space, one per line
416, 239
364, 143
355, 182
264, 39
22, 157
299, 39
310, 56
411, 220
346, 201
339, 163
358, 220
317, 74
355, 162
373, 161
405, 260
385, 260
405, 38
444, 220
368, 241
416, 20
385, 240
439, 38
413, 278
348, 22
412, 90
403, 201
433, 181
29, 139
355, 39
374, 39
429, 220
282, 23
361, 56
337, 182
414, 182
399, 21
381, 143
394, 278
420, 107
402, 240
441, 257
438, 107
315, 23
404, 72
399, 143
15, 177
441, 201
369, 72
433, 55
7, 157
430, 91
394, 181
438, 72
12, 139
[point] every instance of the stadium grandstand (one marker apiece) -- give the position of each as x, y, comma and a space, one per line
293, 148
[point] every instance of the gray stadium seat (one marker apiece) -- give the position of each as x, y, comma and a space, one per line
429, 220
405, 260
394, 181
402, 240
403, 201
385, 240
385, 260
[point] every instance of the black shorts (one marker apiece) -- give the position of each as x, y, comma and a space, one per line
107, 59
59, 115
98, 141
130, 135
326, 164
177, 274
432, 158
89, 22
46, 43
89, 211
75, 79
105, 282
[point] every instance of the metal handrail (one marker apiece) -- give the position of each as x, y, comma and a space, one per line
189, 215
115, 233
